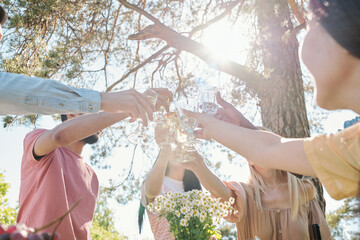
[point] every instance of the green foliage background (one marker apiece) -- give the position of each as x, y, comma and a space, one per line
103, 222
7, 213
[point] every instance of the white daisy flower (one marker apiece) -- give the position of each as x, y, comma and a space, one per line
183, 222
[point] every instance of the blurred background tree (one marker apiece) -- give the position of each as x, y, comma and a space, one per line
7, 213
337, 220
228, 231
103, 222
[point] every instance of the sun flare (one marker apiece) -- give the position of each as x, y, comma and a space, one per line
227, 41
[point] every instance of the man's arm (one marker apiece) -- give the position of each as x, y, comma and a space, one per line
74, 130
115, 102
20, 94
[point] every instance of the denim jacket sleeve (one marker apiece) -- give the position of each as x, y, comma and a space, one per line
20, 94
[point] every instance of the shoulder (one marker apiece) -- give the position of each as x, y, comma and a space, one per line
334, 140
34, 135
240, 190
236, 186
36, 132
309, 189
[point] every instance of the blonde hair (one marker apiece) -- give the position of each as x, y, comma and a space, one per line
299, 195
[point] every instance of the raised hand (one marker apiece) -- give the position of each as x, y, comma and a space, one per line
160, 134
230, 114
204, 120
131, 102
195, 161
164, 98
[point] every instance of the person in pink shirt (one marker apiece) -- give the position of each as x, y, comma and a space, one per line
54, 175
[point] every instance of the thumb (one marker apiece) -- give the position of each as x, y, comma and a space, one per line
221, 101
200, 134
191, 114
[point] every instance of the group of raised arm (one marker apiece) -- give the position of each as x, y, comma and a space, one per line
273, 204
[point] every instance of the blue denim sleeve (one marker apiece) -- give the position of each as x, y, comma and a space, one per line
351, 122
20, 94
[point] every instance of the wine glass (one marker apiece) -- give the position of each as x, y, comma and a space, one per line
208, 101
170, 121
140, 134
185, 130
164, 106
183, 156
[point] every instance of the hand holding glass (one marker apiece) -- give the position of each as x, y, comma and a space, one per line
208, 101
140, 135
187, 124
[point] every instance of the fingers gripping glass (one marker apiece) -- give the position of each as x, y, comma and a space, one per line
140, 135
185, 130
170, 120
183, 156
208, 101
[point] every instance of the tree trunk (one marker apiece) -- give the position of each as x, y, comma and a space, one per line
282, 100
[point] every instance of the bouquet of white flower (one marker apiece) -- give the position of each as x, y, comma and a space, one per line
192, 215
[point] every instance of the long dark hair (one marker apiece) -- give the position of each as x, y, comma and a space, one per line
341, 19
190, 182
3, 16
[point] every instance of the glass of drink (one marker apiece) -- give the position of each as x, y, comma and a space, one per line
140, 134
183, 156
208, 101
170, 120
185, 130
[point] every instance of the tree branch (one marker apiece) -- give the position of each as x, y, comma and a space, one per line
155, 55
174, 39
139, 10
59, 219
228, 10
253, 80
299, 13
113, 188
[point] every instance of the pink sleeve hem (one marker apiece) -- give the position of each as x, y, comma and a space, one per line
29, 147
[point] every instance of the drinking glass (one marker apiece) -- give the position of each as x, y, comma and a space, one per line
140, 134
170, 121
185, 130
209, 104
182, 155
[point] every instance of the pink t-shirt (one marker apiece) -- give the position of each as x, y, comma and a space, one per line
160, 226
49, 187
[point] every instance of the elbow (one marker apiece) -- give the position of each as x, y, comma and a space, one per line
59, 139
151, 194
